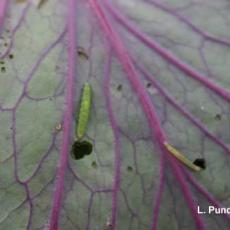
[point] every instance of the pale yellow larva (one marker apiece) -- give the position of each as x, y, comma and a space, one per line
181, 157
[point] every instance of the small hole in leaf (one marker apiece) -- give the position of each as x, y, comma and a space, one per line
149, 84
200, 162
218, 117
81, 149
119, 87
11, 56
82, 53
3, 69
2, 62
129, 168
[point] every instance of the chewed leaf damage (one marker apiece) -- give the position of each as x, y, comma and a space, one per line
159, 88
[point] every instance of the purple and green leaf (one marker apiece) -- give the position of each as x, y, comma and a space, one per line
159, 72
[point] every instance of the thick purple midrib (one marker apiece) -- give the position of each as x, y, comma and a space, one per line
132, 75
206, 194
117, 157
63, 160
159, 194
147, 106
184, 112
66, 130
3, 9
189, 71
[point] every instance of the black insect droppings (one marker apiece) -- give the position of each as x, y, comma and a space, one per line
149, 84
81, 149
200, 162
129, 168
82, 53
11, 56
218, 117
3, 69
119, 87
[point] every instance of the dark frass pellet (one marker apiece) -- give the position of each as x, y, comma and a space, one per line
11, 56
3, 69
200, 162
81, 149
119, 87
218, 117
129, 168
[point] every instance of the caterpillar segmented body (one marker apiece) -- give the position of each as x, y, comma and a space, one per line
181, 157
84, 111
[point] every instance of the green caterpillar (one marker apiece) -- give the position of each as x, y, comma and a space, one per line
84, 112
